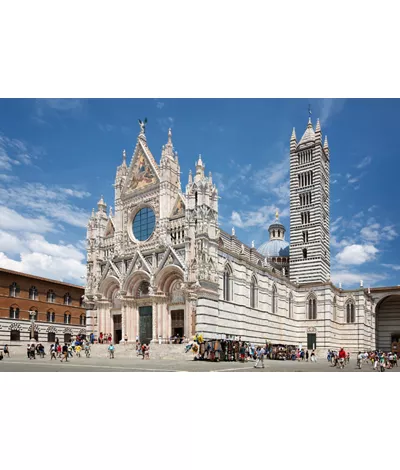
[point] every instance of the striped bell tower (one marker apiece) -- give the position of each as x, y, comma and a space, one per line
309, 207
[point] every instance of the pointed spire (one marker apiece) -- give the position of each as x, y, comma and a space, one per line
199, 161
309, 134
318, 133
190, 177
168, 148
111, 212
93, 216
124, 157
210, 177
326, 146
293, 141
101, 205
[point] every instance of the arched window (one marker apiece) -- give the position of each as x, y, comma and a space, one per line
227, 283
51, 296
14, 312
304, 253
82, 320
350, 313
67, 299
67, 318
274, 299
312, 308
14, 289
334, 309
253, 293
290, 305
33, 293
51, 316
273, 233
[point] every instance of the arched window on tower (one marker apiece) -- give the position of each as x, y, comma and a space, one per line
312, 308
290, 305
227, 283
274, 299
334, 309
195, 200
253, 293
350, 313
273, 233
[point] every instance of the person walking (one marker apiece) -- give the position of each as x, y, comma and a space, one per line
87, 349
28, 351
125, 339
78, 348
6, 352
260, 357
65, 353
53, 352
33, 351
306, 355
111, 351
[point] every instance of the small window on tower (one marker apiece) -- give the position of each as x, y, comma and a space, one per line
304, 253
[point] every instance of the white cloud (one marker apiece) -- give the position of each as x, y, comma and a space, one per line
75, 193
12, 220
370, 209
371, 233
106, 127
374, 233
261, 217
39, 257
51, 202
39, 264
329, 107
352, 279
395, 267
159, 104
356, 254
364, 162
165, 123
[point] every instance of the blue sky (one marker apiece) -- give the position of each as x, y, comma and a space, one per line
58, 156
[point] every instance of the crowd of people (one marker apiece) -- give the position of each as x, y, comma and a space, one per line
142, 349
378, 360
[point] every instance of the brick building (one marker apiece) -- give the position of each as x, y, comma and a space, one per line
52, 308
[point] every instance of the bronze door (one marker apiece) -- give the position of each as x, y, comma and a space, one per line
145, 324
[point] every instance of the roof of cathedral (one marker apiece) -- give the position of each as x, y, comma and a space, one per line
309, 134
274, 248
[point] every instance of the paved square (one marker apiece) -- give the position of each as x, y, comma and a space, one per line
102, 364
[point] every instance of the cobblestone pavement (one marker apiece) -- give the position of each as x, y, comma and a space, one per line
96, 364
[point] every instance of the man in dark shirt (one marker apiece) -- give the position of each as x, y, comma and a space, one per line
65, 353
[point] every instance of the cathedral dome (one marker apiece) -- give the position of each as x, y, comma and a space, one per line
274, 248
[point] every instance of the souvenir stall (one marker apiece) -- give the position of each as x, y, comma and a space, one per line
214, 349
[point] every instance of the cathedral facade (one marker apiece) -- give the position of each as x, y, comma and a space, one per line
160, 265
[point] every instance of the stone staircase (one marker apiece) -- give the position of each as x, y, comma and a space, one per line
157, 351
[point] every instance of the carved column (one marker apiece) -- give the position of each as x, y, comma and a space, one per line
154, 317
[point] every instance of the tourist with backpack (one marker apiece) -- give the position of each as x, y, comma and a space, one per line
111, 351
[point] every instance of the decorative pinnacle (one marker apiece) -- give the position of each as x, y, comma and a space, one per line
326, 146
199, 161
293, 137
277, 214
169, 136
124, 156
318, 126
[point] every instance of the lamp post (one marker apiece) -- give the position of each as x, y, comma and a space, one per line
32, 315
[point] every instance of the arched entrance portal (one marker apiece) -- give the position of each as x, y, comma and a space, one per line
388, 323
